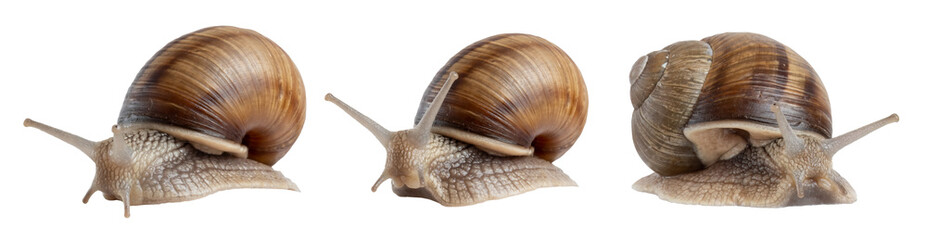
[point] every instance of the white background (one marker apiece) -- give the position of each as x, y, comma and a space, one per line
69, 65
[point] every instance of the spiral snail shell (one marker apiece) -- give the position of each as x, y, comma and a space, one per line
489, 124
737, 119
212, 110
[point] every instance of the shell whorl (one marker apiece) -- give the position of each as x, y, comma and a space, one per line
224, 82
664, 87
697, 102
749, 72
515, 88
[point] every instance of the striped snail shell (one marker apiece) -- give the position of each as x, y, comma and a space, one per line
225, 82
212, 110
736, 119
489, 124
506, 93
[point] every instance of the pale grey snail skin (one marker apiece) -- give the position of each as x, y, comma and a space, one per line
737, 119
213, 110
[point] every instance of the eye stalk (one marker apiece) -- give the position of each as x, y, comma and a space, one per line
793, 144
422, 130
86, 146
418, 136
831, 146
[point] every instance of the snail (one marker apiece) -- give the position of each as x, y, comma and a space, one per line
737, 119
489, 125
212, 110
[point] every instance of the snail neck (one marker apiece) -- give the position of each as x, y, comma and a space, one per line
810, 168
802, 158
406, 156
410, 165
406, 149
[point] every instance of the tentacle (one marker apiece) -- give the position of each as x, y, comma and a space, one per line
831, 146
89, 193
86, 146
381, 133
126, 201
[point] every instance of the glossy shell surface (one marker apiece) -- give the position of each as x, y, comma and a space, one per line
225, 82
697, 102
516, 88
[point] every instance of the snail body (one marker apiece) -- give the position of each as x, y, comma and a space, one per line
212, 110
737, 119
490, 124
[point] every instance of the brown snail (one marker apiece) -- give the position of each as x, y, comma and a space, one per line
212, 110
490, 124
737, 119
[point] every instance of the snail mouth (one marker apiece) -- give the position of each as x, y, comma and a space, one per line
410, 181
383, 177
831, 189
414, 192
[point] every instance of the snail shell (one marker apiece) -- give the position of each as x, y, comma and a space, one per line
211, 111
720, 89
225, 82
744, 98
489, 124
514, 88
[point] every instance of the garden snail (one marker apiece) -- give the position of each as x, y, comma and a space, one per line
737, 119
212, 110
489, 125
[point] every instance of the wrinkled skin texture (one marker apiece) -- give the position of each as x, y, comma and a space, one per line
163, 169
457, 174
758, 177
